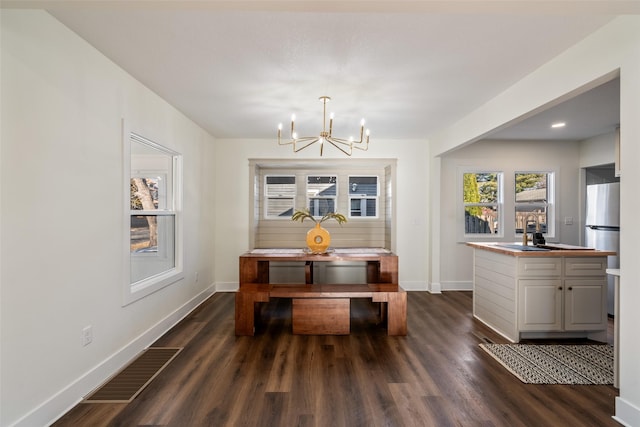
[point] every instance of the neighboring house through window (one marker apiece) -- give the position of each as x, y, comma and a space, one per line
534, 202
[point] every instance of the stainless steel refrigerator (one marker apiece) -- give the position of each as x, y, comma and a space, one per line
603, 225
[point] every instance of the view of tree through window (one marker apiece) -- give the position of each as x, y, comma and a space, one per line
152, 210
481, 197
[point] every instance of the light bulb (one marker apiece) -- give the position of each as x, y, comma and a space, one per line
279, 126
362, 122
293, 117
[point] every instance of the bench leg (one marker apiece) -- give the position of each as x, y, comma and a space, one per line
246, 311
397, 313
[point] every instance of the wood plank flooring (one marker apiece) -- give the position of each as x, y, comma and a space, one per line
435, 376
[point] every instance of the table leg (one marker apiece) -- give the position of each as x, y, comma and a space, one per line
397, 313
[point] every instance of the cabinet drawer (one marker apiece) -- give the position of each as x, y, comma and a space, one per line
592, 266
539, 267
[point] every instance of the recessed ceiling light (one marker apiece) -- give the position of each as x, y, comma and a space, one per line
558, 125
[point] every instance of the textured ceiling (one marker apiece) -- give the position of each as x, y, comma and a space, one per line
410, 68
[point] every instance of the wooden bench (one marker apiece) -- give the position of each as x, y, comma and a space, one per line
321, 308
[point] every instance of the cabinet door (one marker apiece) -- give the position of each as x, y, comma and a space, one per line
540, 304
585, 304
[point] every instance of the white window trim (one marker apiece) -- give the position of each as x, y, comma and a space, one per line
132, 292
460, 206
335, 198
266, 197
551, 202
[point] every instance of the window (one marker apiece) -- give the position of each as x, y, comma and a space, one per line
533, 201
482, 198
363, 196
280, 196
321, 194
153, 212
280, 185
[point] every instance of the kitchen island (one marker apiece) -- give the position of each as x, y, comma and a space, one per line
526, 292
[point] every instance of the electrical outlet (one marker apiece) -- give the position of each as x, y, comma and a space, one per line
196, 276
87, 335
568, 220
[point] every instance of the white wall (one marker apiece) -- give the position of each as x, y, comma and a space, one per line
615, 48
598, 150
508, 157
62, 217
232, 216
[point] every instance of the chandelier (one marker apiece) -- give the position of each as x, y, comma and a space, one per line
344, 145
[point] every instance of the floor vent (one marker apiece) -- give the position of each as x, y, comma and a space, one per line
124, 386
482, 338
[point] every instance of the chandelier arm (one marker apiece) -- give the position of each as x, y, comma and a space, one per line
339, 146
360, 147
306, 141
340, 141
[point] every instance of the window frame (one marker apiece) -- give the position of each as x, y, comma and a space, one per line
550, 205
335, 197
462, 206
376, 198
266, 196
133, 291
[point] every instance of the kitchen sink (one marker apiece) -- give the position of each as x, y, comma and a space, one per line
523, 247
544, 247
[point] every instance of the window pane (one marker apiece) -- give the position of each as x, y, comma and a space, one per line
280, 207
363, 207
280, 194
321, 186
148, 193
480, 187
531, 187
531, 216
371, 207
152, 245
363, 185
481, 219
152, 237
281, 186
321, 207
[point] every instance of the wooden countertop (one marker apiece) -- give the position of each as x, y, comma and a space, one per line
559, 250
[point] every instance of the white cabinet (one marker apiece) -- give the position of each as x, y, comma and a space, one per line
585, 302
540, 305
562, 305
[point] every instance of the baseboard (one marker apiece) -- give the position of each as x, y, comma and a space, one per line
227, 286
435, 288
457, 286
60, 403
413, 286
627, 413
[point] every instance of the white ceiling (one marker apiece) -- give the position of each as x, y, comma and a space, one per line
410, 68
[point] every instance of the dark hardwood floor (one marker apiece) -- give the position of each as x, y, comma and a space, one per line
435, 376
